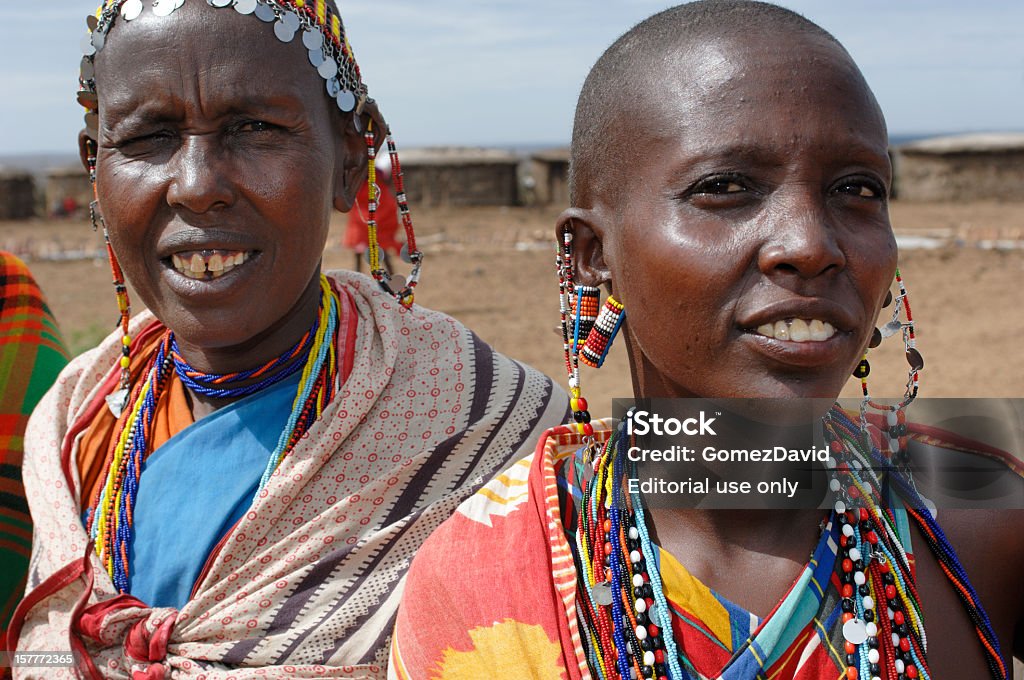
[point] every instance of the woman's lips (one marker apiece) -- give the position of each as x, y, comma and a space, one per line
208, 264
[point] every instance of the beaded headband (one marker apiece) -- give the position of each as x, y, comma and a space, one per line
323, 35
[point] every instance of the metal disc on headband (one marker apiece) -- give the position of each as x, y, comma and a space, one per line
346, 101
88, 49
131, 10
316, 57
92, 22
313, 40
291, 20
397, 283
333, 87
245, 6
221, 3
283, 33
265, 13
98, 40
328, 69
87, 70
163, 8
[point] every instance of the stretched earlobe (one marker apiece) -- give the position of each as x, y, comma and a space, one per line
350, 171
591, 268
352, 175
86, 150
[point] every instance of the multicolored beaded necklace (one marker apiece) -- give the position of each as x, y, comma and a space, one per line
626, 622
109, 515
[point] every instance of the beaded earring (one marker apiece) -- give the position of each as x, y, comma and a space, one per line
410, 254
575, 304
584, 312
895, 418
117, 400
602, 335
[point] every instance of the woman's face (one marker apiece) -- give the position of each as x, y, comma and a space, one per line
219, 162
751, 242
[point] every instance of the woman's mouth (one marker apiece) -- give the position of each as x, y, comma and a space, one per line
798, 330
208, 264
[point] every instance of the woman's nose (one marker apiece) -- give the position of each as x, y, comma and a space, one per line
199, 179
801, 240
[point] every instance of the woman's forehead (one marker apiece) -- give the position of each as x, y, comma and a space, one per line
735, 91
240, 45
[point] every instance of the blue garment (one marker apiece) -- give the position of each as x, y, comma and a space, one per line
196, 486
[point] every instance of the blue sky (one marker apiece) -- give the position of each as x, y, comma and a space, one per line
508, 72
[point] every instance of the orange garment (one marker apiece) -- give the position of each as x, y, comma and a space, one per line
173, 414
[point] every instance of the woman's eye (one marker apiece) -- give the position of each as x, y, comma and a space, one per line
718, 185
861, 188
142, 142
256, 126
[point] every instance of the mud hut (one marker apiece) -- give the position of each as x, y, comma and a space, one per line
962, 167
17, 195
460, 176
550, 171
68, 191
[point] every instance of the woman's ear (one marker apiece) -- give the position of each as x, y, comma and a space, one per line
589, 265
350, 168
86, 148
351, 175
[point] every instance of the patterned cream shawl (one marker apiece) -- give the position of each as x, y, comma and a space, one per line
307, 584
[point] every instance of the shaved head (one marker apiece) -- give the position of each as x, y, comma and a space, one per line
629, 77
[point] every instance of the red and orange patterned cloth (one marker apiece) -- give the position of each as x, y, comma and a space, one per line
493, 593
32, 353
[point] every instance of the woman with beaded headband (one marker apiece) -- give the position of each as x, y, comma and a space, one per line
234, 482
748, 255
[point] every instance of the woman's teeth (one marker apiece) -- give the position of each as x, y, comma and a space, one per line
208, 264
798, 330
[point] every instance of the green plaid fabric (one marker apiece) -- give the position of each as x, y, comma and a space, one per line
32, 353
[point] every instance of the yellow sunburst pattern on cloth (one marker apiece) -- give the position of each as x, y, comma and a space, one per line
501, 495
506, 649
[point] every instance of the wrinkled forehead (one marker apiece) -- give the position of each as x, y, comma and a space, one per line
256, 39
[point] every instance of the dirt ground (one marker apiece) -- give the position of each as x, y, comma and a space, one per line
492, 268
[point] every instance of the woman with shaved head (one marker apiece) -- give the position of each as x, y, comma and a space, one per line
729, 189
234, 482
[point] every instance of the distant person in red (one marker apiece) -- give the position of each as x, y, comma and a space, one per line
387, 218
